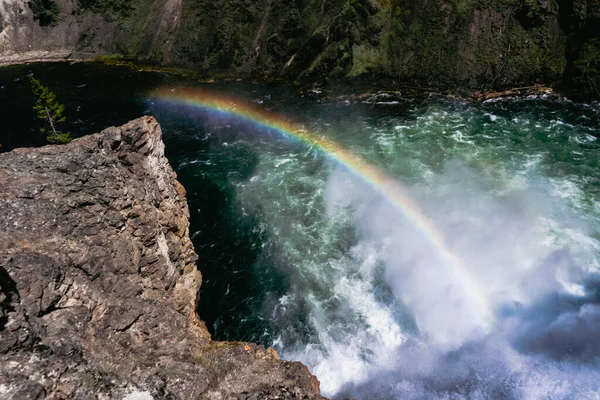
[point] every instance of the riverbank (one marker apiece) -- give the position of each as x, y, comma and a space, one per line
37, 56
415, 92
333, 91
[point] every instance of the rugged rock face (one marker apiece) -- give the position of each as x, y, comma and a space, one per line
454, 45
98, 283
24, 39
85, 29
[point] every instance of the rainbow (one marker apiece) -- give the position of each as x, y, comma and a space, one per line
388, 187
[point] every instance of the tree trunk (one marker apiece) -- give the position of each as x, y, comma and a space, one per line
51, 120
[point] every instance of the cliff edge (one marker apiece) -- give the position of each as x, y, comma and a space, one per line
98, 283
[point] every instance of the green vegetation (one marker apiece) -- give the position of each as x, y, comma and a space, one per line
116, 59
44, 11
444, 44
50, 110
110, 8
140, 22
585, 71
450, 45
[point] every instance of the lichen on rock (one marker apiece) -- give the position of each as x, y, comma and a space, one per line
98, 283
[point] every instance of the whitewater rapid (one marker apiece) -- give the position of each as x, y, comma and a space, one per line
372, 308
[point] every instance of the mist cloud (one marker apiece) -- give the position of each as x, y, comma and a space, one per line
545, 338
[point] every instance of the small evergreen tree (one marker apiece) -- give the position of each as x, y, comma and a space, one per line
50, 110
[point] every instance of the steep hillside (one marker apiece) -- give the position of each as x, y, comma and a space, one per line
452, 45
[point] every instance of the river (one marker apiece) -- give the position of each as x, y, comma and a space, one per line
455, 252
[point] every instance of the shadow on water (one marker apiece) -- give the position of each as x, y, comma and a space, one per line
237, 274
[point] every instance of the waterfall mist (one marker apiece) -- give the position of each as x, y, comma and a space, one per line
505, 306
543, 339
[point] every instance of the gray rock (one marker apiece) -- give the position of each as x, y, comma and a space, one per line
98, 283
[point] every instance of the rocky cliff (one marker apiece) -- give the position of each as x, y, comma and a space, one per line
454, 45
98, 283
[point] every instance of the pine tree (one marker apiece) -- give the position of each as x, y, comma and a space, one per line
50, 110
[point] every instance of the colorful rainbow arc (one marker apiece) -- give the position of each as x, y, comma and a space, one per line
383, 184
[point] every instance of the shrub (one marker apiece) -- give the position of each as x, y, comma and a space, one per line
44, 11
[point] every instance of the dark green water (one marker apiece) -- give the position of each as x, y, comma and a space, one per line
298, 254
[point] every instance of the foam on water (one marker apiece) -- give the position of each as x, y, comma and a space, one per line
370, 308
492, 200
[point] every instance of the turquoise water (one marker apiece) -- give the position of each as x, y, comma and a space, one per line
298, 254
